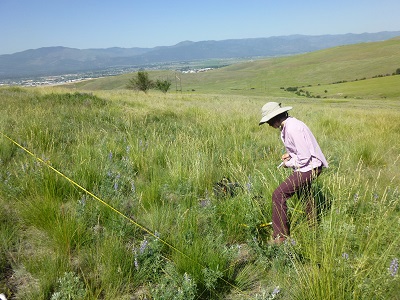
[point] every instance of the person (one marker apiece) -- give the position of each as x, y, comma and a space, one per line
303, 155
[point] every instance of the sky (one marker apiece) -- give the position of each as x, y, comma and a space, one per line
84, 24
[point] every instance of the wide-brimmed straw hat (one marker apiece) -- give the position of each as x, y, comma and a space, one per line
270, 110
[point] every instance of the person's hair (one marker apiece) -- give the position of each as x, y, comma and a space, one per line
281, 117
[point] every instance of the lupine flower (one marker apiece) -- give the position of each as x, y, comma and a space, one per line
205, 202
345, 256
143, 246
143, 146
82, 201
133, 188
376, 196
115, 186
249, 185
356, 196
136, 263
276, 291
394, 267
110, 155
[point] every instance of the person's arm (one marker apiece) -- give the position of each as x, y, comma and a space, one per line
300, 144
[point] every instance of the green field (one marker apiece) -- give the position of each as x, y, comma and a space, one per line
107, 193
268, 76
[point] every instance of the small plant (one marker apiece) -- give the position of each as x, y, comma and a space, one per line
148, 257
70, 287
211, 277
174, 286
265, 295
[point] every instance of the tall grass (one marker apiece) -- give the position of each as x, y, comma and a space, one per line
156, 159
349, 255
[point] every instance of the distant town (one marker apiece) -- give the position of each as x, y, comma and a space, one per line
76, 77
66, 78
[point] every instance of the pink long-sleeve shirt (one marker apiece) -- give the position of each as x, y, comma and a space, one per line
301, 145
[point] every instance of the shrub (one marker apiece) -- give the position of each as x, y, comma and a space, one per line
140, 82
70, 287
163, 85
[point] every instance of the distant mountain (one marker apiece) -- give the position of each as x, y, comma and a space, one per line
62, 60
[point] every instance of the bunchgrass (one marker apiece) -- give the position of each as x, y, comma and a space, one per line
162, 229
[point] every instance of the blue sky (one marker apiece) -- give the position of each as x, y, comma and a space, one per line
83, 24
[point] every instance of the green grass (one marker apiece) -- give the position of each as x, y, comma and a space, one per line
267, 76
154, 160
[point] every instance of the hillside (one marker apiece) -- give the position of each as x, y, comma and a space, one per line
323, 68
61, 60
119, 197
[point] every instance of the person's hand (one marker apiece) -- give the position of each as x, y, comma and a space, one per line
285, 158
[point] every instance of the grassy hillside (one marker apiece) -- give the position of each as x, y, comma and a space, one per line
164, 231
268, 76
375, 88
117, 194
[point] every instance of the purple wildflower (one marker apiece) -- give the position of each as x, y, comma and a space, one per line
249, 185
205, 202
143, 246
115, 186
345, 256
143, 146
356, 196
133, 188
136, 263
276, 291
110, 155
82, 201
394, 267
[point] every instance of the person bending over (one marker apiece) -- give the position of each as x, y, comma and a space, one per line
303, 155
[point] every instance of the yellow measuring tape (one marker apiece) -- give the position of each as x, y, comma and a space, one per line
110, 207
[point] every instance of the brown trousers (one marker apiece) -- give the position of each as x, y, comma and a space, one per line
297, 182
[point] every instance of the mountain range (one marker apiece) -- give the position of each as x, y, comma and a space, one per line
62, 60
